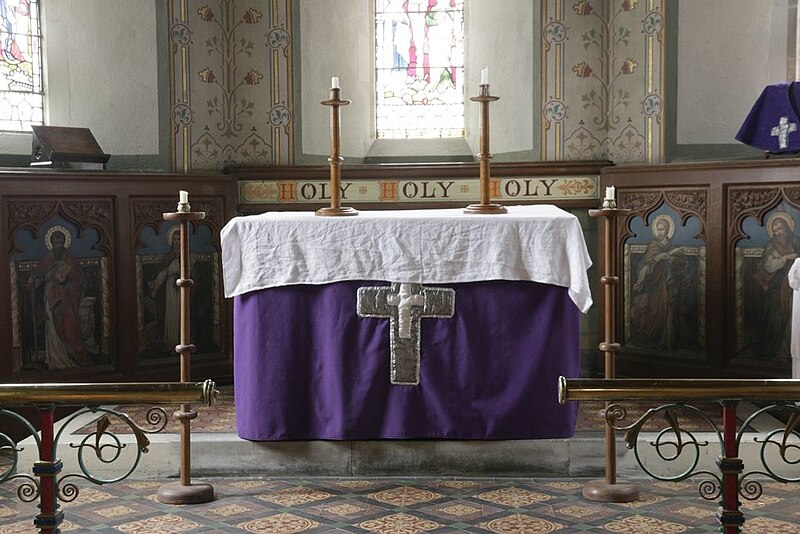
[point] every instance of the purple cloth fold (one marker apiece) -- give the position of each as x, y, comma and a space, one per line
307, 367
773, 123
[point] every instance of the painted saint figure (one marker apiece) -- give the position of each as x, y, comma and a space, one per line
60, 276
662, 281
774, 325
168, 273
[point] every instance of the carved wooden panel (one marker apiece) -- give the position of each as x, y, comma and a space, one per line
60, 266
703, 257
764, 241
664, 271
157, 247
77, 262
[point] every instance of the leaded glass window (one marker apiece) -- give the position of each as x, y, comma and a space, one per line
21, 95
419, 68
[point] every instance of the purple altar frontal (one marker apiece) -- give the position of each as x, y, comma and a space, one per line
317, 362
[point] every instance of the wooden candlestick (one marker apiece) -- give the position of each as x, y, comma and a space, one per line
484, 156
609, 489
184, 492
335, 160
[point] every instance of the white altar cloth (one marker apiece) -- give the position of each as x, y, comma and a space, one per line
540, 243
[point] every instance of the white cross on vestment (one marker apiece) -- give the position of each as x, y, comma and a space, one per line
782, 131
405, 305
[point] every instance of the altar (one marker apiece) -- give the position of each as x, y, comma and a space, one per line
406, 324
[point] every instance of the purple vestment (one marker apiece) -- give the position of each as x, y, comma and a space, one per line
773, 123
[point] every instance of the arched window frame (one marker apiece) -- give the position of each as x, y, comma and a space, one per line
21, 66
419, 69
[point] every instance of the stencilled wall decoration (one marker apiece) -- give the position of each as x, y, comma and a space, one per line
60, 289
157, 269
231, 90
602, 82
232, 102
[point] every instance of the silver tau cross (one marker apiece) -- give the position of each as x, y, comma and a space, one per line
405, 305
782, 131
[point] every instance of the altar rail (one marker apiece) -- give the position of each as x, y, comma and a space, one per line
677, 444
105, 445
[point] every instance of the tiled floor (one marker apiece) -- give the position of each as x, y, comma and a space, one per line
401, 506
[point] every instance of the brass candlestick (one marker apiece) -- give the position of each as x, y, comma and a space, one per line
335, 161
609, 489
184, 492
484, 156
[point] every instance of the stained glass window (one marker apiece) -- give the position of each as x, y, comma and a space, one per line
419, 68
21, 95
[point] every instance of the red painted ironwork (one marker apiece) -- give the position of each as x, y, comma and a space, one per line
47, 469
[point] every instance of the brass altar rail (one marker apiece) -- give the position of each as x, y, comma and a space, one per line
677, 389
674, 442
77, 394
46, 483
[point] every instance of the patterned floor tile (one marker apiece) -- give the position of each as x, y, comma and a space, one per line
645, 499
513, 496
765, 525
650, 525
294, 496
408, 505
761, 502
696, 512
346, 510
405, 496
514, 524
583, 511
399, 524
279, 524
460, 510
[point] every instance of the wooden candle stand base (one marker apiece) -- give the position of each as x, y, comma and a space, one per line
483, 209
178, 493
340, 211
602, 491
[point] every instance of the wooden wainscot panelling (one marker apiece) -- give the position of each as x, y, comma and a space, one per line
60, 284
704, 256
157, 261
85, 274
415, 186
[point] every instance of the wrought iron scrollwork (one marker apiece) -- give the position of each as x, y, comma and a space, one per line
778, 448
29, 490
672, 443
785, 441
106, 446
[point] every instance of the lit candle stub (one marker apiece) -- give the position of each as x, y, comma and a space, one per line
485, 76
335, 82
610, 191
184, 197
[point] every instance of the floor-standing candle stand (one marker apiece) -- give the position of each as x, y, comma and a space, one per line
335, 160
484, 98
610, 489
184, 491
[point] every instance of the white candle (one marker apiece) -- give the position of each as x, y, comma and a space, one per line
184, 197
485, 76
335, 82
610, 192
